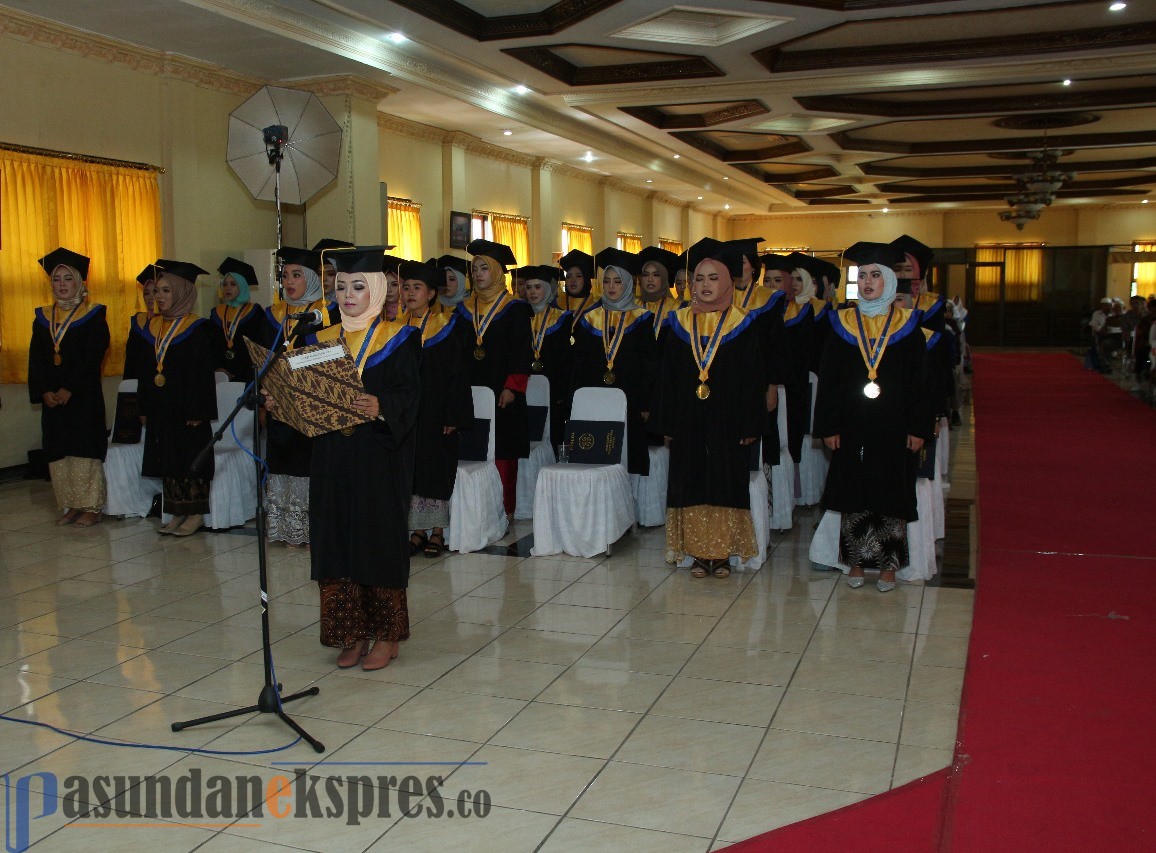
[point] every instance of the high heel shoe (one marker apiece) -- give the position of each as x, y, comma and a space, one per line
885, 586
855, 582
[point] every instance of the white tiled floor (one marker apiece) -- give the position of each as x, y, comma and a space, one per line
608, 704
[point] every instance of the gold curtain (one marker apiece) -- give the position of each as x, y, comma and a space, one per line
630, 242
577, 238
513, 231
109, 213
1023, 268
405, 228
670, 245
1144, 274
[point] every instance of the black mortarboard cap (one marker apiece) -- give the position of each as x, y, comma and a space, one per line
500, 252
453, 262
728, 254
827, 270
325, 244
874, 253
617, 258
660, 256
232, 265
782, 263
919, 251
302, 257
67, 257
182, 269
749, 247
427, 274
578, 259
357, 259
392, 263
149, 273
546, 273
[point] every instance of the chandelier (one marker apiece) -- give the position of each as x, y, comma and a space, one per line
1037, 187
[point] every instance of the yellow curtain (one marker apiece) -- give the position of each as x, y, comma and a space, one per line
1023, 268
630, 242
1144, 275
670, 245
577, 238
513, 231
405, 228
109, 213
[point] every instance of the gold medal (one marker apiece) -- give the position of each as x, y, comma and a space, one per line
159, 380
229, 354
871, 390
57, 360
608, 377
537, 366
479, 353
347, 431
702, 391
571, 340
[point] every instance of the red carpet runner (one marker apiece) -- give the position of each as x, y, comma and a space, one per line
1055, 745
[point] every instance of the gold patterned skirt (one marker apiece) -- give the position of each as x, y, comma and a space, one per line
709, 532
352, 612
78, 483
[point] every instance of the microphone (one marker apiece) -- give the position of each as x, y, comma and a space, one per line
314, 316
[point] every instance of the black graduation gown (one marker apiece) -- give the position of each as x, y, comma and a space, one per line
359, 486
708, 465
446, 400
139, 357
287, 451
189, 394
507, 346
240, 365
556, 367
873, 470
798, 333
940, 362
77, 428
635, 371
767, 320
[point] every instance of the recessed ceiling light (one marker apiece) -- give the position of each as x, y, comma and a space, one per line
396, 38
507, 132
725, 178
1118, 7
649, 181
1067, 81
886, 210
700, 198
522, 90
726, 207
1143, 201
677, 156
588, 157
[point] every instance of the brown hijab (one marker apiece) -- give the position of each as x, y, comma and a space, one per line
184, 295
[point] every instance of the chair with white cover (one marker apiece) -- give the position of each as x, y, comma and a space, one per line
233, 491
761, 518
783, 474
813, 463
584, 509
541, 451
921, 563
129, 494
477, 513
943, 455
650, 491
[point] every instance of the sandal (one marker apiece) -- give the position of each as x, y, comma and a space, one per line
88, 519
721, 570
699, 569
68, 518
417, 543
435, 545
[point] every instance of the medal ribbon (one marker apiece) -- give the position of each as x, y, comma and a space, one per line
704, 358
161, 347
658, 317
480, 328
58, 331
577, 313
610, 347
872, 358
538, 326
420, 326
364, 344
747, 294
230, 328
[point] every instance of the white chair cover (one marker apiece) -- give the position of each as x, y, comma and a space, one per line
943, 454
920, 551
584, 509
541, 451
813, 462
129, 493
782, 475
477, 514
650, 491
761, 517
233, 492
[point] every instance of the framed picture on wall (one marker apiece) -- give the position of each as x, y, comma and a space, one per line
459, 229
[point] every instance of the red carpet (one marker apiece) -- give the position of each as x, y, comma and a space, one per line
1054, 747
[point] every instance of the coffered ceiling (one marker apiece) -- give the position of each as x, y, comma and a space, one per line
766, 106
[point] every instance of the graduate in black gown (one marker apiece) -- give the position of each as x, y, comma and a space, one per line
178, 398
655, 286
941, 361
872, 413
799, 332
496, 327
360, 478
236, 318
615, 348
69, 341
710, 403
453, 290
329, 267
550, 344
288, 452
446, 406
580, 292
138, 355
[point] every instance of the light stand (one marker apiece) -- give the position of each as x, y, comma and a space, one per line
269, 701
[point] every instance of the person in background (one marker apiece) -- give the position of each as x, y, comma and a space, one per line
579, 292
328, 267
550, 346
69, 340
137, 349
236, 318
654, 286
452, 292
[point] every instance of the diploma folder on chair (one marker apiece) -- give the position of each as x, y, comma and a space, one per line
314, 387
594, 442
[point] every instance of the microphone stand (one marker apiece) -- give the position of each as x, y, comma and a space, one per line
270, 700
